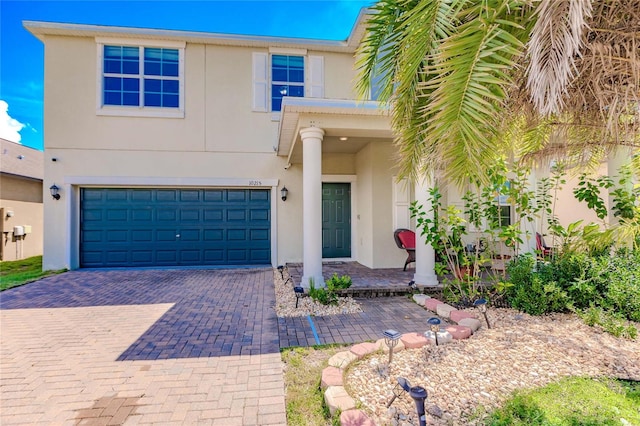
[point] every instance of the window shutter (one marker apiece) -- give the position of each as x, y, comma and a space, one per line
401, 203
260, 82
315, 85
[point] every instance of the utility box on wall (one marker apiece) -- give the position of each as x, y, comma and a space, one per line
27, 229
18, 231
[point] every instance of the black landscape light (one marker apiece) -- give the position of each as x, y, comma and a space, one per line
299, 291
402, 385
481, 304
435, 327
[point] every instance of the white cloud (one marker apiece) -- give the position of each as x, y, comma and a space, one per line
9, 127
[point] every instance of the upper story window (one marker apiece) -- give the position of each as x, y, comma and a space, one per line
287, 78
141, 80
283, 72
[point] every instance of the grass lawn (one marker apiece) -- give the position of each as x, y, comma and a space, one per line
573, 401
304, 399
18, 272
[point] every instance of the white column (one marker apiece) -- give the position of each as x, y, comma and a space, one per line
425, 255
312, 206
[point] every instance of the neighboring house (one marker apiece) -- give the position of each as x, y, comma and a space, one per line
172, 148
21, 174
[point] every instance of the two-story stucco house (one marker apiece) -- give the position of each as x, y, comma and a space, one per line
173, 148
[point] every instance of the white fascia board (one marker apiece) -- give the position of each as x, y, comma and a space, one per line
41, 29
151, 182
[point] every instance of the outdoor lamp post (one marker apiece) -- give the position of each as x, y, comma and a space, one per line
391, 338
419, 395
281, 270
299, 291
481, 304
435, 327
402, 385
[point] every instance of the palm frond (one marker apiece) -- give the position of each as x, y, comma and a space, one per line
473, 69
555, 41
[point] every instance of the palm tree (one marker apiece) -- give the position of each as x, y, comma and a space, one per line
469, 79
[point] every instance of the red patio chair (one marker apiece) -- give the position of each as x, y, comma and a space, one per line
406, 239
542, 248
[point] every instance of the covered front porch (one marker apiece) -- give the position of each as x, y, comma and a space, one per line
350, 142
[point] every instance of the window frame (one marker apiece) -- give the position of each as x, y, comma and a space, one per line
140, 110
304, 83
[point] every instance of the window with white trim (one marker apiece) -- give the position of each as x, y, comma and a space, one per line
140, 80
282, 73
504, 207
287, 78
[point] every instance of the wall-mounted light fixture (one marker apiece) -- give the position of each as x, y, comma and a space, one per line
54, 191
284, 192
9, 213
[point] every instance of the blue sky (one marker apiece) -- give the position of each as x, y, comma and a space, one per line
21, 54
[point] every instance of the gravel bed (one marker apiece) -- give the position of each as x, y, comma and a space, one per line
519, 352
286, 301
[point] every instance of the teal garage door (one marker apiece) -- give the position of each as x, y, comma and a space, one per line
174, 227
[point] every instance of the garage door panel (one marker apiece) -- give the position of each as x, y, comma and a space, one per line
213, 235
141, 195
170, 226
190, 215
214, 195
239, 195
167, 215
117, 236
116, 195
190, 195
142, 256
236, 215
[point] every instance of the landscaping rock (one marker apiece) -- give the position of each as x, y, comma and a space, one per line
362, 349
456, 316
473, 323
355, 418
432, 304
459, 331
443, 310
420, 298
342, 359
331, 376
443, 337
413, 340
337, 398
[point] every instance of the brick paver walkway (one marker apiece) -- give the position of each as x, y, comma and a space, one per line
142, 347
379, 314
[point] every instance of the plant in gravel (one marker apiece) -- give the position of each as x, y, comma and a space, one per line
322, 295
339, 282
611, 322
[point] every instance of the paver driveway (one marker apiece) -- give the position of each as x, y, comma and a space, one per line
142, 346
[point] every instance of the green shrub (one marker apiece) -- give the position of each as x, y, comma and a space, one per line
530, 291
623, 293
611, 322
322, 295
327, 296
339, 283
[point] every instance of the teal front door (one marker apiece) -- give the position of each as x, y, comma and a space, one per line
336, 220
